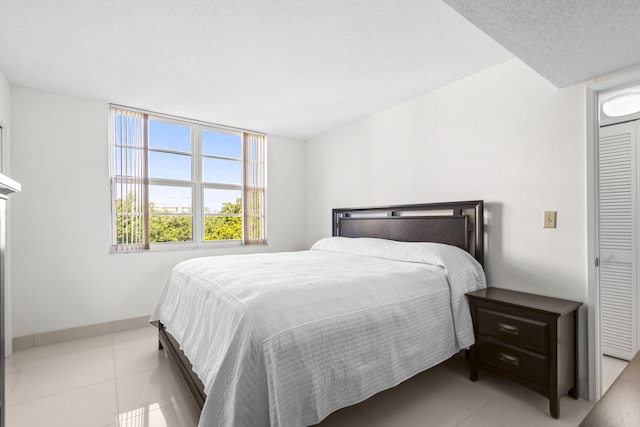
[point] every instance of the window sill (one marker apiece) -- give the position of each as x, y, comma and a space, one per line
166, 247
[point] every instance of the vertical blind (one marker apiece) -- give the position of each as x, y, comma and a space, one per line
254, 188
129, 136
130, 180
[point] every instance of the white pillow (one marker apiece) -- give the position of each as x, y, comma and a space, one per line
421, 252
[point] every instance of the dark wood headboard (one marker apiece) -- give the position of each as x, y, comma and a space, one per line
458, 224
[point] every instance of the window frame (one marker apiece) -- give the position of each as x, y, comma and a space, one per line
197, 184
203, 185
167, 182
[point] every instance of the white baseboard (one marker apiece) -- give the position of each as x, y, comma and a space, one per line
53, 337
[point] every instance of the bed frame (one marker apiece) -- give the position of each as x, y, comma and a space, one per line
456, 223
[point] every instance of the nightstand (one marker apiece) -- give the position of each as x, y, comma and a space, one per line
531, 339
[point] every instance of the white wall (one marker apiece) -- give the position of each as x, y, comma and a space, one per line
63, 273
5, 100
504, 135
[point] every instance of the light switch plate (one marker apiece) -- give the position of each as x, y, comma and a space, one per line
550, 219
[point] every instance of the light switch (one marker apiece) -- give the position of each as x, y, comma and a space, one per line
550, 219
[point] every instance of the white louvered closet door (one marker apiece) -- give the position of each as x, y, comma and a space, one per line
617, 235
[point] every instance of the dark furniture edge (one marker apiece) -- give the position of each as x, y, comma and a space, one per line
532, 302
563, 321
177, 356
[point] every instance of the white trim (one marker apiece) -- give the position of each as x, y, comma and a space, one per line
80, 332
593, 308
616, 80
206, 244
622, 78
186, 119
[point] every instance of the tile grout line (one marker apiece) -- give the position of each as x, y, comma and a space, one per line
476, 413
7, 393
465, 419
24, 367
115, 377
56, 394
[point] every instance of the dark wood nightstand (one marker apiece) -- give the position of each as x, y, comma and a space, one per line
531, 339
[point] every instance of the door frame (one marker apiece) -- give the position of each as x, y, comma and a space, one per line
617, 80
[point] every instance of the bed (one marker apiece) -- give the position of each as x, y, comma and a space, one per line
286, 339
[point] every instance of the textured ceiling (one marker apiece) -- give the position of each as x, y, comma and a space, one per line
300, 68
285, 67
565, 41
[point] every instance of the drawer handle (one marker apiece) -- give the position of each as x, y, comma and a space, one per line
507, 358
513, 330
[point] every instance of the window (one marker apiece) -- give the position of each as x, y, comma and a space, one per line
178, 182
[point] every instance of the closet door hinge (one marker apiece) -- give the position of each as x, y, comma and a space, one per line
597, 262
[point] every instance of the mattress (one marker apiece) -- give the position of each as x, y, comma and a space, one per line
285, 339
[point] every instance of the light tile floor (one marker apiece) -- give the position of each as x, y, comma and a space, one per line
121, 379
610, 369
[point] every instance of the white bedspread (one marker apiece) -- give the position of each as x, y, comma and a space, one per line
285, 339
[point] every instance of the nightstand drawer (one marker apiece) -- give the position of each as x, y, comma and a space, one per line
532, 339
519, 331
524, 364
